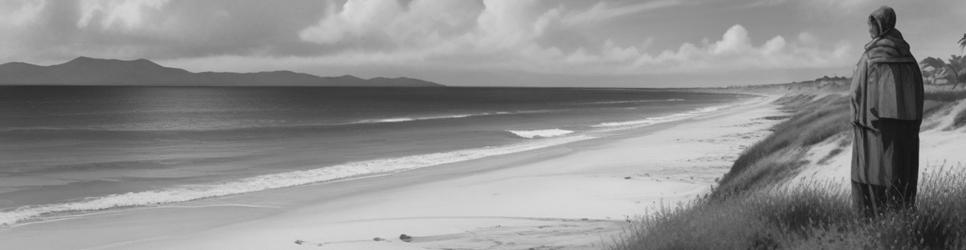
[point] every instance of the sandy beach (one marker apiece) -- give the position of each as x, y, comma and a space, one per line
574, 196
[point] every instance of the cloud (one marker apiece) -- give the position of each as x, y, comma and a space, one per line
838, 7
19, 12
846, 6
49, 31
604, 11
419, 22
735, 51
428, 29
129, 14
734, 41
357, 18
503, 36
518, 51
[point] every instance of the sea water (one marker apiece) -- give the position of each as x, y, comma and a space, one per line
77, 149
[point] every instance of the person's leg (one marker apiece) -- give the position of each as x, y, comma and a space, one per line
865, 199
908, 182
860, 199
903, 192
902, 140
879, 195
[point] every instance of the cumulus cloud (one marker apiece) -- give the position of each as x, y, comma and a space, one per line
507, 35
736, 51
357, 18
127, 14
530, 36
418, 23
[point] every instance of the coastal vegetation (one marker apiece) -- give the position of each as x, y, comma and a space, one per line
952, 71
751, 209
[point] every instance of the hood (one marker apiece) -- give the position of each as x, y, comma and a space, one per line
885, 19
888, 45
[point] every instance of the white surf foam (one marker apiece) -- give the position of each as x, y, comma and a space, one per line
661, 119
640, 101
273, 181
409, 119
541, 133
437, 117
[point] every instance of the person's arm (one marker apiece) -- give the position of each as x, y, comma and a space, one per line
860, 95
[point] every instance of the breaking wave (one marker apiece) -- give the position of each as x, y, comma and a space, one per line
421, 118
640, 101
542, 133
274, 181
439, 117
661, 119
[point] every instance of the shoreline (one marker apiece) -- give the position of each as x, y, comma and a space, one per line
54, 179
586, 189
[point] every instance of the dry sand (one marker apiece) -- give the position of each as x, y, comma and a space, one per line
574, 196
940, 149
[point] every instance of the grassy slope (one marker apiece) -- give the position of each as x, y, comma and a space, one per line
744, 213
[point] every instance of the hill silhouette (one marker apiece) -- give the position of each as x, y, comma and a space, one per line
143, 72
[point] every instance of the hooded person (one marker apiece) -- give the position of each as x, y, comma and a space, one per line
887, 100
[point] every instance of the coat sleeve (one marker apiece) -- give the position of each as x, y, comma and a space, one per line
895, 91
858, 90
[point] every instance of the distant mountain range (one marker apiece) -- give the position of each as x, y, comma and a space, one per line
142, 72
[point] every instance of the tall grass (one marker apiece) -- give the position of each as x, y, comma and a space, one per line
774, 157
817, 216
740, 214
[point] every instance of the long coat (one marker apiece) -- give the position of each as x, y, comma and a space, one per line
887, 100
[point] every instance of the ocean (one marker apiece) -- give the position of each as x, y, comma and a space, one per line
81, 149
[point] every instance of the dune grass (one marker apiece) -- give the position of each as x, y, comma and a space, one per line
777, 156
818, 216
746, 212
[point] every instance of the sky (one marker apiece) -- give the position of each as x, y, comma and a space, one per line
586, 43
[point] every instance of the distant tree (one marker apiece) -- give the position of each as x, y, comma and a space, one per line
957, 67
953, 71
932, 68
